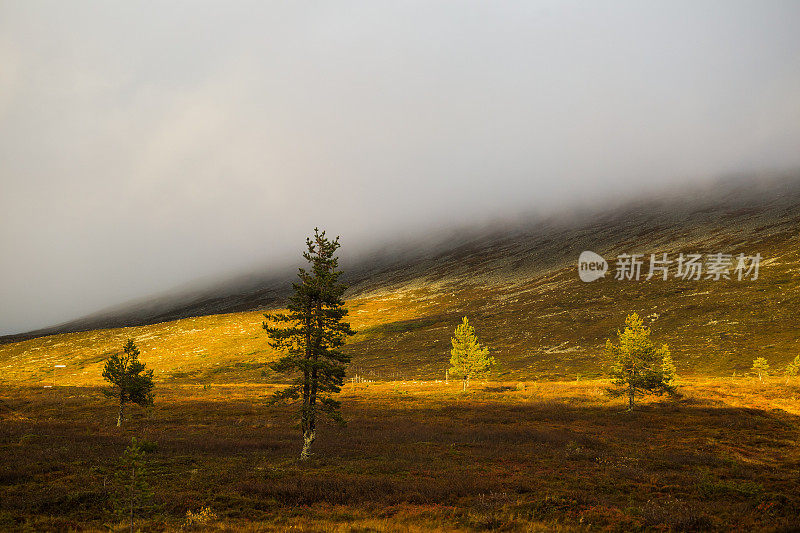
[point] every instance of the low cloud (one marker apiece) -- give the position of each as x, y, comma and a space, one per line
146, 145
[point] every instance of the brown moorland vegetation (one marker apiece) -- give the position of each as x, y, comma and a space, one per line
415, 456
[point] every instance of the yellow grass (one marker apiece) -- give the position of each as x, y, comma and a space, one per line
197, 345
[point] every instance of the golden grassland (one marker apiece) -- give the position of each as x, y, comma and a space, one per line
217, 348
415, 456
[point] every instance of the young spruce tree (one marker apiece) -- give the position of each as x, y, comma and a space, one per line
640, 366
468, 359
131, 383
133, 493
311, 334
792, 369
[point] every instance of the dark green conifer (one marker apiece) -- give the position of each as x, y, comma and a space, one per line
132, 384
311, 333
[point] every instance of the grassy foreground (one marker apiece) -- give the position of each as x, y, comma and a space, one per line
415, 456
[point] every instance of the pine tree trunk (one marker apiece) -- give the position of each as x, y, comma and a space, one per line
121, 412
305, 426
308, 439
133, 480
632, 389
312, 377
310, 432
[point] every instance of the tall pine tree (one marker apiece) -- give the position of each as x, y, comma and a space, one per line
311, 334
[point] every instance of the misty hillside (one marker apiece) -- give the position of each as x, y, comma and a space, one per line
517, 282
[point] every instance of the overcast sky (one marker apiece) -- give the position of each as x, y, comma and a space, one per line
146, 144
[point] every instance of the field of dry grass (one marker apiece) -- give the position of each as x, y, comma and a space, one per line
415, 456
228, 348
